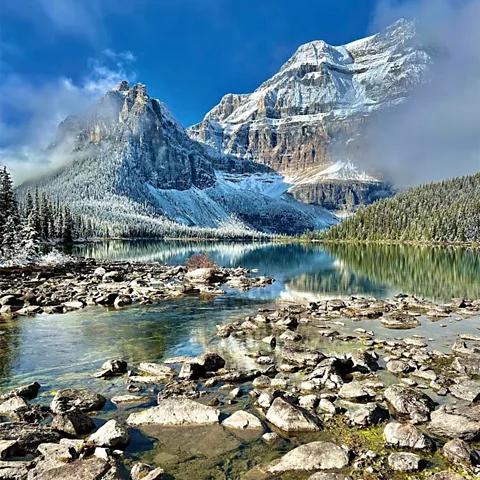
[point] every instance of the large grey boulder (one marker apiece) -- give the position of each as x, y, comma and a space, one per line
84, 400
406, 436
290, 418
28, 436
467, 365
73, 422
411, 402
176, 411
451, 425
204, 275
92, 468
310, 457
460, 452
468, 390
113, 434
364, 361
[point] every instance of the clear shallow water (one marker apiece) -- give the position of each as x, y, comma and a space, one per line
64, 350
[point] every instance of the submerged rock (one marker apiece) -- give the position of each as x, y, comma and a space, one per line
176, 411
310, 457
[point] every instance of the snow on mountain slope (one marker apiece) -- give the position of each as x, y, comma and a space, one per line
341, 170
132, 169
307, 114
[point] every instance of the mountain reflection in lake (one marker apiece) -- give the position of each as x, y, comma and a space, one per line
309, 271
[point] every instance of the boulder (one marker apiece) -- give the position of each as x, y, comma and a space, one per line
310, 457
73, 422
176, 411
204, 275
400, 321
243, 420
406, 436
451, 425
411, 402
7, 447
446, 476
302, 356
404, 462
27, 392
142, 471
84, 400
355, 391
290, 418
460, 452
113, 434
92, 468
10, 406
368, 415
467, 365
27, 436
364, 361
157, 370
116, 366
468, 390
210, 362
398, 366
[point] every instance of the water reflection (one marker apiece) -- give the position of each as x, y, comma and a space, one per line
309, 271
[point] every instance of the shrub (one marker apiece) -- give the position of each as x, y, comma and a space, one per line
200, 260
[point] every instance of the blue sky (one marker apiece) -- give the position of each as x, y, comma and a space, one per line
188, 52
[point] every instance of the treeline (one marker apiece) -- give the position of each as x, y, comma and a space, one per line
447, 212
25, 225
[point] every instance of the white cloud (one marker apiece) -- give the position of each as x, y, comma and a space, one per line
436, 134
31, 111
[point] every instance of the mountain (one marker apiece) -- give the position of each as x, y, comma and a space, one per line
447, 212
131, 169
308, 121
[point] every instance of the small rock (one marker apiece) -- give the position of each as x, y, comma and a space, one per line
404, 462
243, 420
113, 434
290, 418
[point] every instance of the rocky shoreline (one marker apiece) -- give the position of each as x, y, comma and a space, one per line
80, 283
378, 408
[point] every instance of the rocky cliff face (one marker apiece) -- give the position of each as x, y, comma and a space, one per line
130, 166
141, 133
313, 112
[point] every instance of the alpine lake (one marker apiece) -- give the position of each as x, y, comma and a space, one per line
60, 351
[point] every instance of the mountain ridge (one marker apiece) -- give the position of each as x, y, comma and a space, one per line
315, 110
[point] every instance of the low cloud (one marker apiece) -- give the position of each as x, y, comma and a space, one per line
31, 111
436, 133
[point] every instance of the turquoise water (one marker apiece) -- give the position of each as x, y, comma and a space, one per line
65, 350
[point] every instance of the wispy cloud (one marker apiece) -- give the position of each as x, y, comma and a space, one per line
31, 111
436, 134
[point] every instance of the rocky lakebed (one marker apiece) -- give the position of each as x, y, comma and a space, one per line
311, 399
